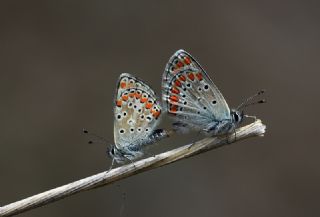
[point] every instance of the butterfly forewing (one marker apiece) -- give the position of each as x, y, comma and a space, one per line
136, 112
190, 94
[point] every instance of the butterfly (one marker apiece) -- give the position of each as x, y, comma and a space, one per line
137, 113
191, 97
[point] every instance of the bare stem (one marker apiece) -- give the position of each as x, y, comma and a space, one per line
104, 178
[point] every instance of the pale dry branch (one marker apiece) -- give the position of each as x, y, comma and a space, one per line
104, 178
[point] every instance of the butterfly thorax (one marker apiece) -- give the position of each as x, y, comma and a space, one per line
225, 126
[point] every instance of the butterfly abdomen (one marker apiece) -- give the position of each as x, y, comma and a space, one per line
154, 137
158, 134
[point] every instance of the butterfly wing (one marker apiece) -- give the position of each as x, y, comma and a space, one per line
190, 95
136, 111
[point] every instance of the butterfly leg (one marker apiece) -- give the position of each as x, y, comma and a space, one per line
130, 161
235, 136
112, 163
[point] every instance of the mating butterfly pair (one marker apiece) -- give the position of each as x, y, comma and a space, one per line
189, 95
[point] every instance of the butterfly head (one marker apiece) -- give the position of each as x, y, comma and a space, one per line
237, 116
115, 154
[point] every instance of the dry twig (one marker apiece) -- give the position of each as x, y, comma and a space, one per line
104, 178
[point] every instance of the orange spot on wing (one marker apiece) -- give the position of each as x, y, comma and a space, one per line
173, 108
179, 64
174, 98
125, 97
119, 103
156, 113
191, 76
175, 90
149, 105
187, 60
138, 96
199, 76
178, 83
131, 95
182, 78
143, 100
123, 85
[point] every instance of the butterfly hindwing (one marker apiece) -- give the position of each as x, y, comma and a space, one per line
189, 94
136, 111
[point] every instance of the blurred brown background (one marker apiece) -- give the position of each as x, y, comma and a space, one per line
59, 63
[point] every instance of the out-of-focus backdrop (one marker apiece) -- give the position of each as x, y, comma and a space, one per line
59, 63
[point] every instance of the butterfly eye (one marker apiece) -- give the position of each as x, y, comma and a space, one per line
124, 114
236, 117
188, 85
131, 130
139, 130
121, 131
119, 117
199, 89
142, 117
130, 105
214, 102
112, 151
147, 129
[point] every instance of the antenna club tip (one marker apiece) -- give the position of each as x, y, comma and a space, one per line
90, 142
84, 131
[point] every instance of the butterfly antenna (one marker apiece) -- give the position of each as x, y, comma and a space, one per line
248, 102
95, 138
254, 103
